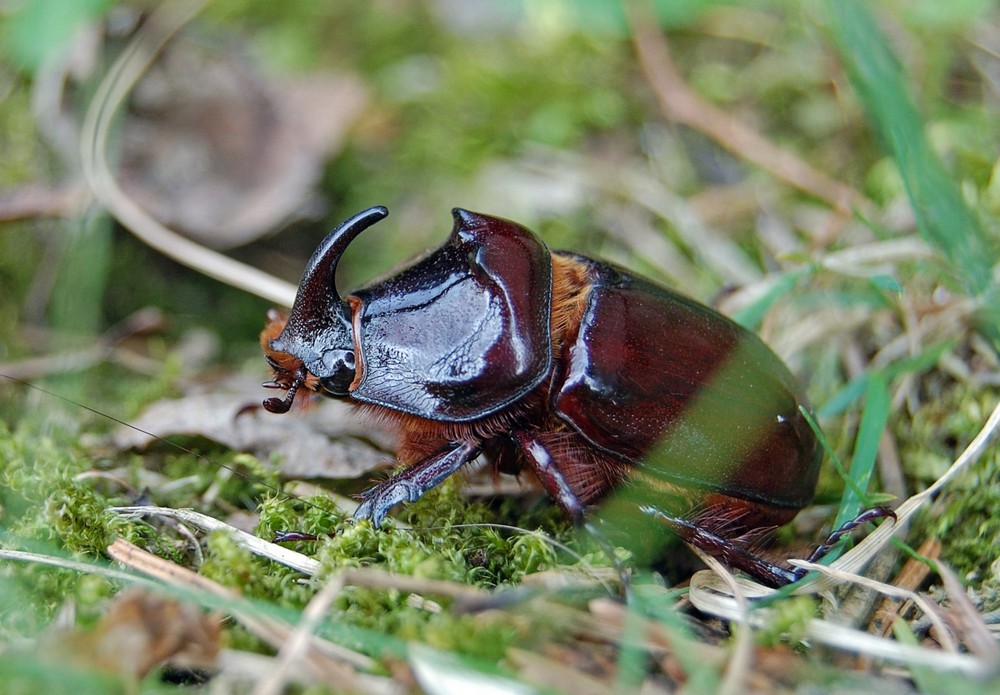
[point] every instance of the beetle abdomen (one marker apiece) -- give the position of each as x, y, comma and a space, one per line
657, 379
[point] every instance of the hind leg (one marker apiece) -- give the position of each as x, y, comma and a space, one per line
574, 475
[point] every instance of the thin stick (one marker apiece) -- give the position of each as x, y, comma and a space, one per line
735, 678
273, 631
257, 546
682, 104
296, 646
94, 136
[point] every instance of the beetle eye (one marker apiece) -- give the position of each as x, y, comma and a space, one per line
341, 375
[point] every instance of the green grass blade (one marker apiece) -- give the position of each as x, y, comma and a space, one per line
752, 316
943, 217
921, 362
873, 422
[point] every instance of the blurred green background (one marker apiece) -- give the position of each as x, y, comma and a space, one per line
261, 125
536, 111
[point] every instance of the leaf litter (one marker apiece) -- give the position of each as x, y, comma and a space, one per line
325, 440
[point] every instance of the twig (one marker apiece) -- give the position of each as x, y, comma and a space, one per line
142, 321
856, 641
680, 103
708, 595
257, 546
74, 565
379, 579
910, 577
295, 647
607, 620
94, 136
269, 629
947, 640
31, 202
554, 675
736, 674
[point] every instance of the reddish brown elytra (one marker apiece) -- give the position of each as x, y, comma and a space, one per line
592, 378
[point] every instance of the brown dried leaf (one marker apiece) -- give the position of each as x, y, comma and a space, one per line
216, 149
326, 440
139, 632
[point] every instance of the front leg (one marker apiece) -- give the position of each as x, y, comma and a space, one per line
409, 484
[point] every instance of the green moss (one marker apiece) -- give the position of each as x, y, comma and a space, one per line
436, 543
45, 501
318, 515
449, 109
449, 538
964, 515
45, 506
487, 637
235, 567
789, 621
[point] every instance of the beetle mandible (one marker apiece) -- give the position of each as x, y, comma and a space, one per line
589, 376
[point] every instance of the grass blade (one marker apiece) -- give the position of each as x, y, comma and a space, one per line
943, 217
873, 421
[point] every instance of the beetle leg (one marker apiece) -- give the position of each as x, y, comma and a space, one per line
409, 484
547, 471
725, 549
546, 468
860, 520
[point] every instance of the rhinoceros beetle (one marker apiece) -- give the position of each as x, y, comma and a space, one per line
591, 377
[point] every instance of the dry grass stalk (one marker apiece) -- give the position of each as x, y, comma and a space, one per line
207, 524
330, 662
158, 29
682, 104
909, 578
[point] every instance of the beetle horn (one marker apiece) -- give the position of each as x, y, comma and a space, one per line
319, 314
317, 294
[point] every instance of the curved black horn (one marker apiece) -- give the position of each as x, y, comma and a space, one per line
317, 294
319, 314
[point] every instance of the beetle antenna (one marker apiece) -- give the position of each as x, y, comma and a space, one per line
283, 405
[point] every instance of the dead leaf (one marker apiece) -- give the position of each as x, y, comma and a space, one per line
215, 148
326, 440
139, 632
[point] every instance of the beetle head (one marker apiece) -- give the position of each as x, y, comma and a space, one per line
315, 346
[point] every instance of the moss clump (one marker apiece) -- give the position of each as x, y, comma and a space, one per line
789, 621
234, 566
317, 515
446, 539
964, 516
47, 507
46, 502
